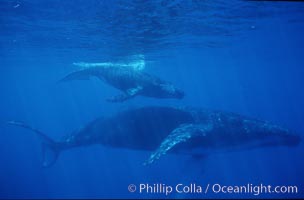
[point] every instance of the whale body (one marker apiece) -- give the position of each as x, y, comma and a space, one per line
163, 130
130, 81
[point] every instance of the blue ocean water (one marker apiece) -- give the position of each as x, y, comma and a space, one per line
239, 56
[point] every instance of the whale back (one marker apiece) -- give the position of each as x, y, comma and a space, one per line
143, 128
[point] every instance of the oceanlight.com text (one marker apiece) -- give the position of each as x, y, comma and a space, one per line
216, 188
254, 189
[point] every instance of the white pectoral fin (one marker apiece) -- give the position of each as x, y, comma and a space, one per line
179, 135
134, 91
130, 93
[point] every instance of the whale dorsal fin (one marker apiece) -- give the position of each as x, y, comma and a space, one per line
181, 134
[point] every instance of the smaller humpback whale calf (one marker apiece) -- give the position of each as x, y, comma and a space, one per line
129, 80
163, 130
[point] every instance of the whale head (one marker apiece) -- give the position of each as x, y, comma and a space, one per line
268, 134
286, 138
170, 91
281, 136
178, 94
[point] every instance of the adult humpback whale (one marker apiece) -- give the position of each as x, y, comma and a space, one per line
172, 130
132, 82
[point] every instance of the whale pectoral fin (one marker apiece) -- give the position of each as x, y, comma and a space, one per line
130, 93
179, 135
118, 98
134, 91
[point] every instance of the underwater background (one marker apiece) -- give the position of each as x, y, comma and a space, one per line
239, 56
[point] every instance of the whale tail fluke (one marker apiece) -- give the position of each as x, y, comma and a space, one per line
50, 148
84, 74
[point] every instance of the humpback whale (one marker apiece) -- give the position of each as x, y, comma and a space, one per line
132, 82
163, 130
